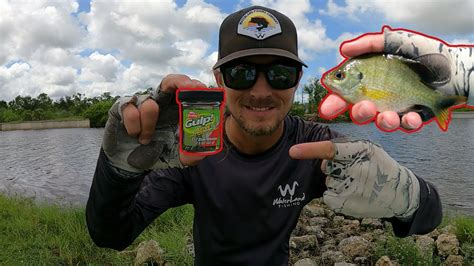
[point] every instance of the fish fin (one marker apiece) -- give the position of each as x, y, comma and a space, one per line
376, 94
442, 115
441, 109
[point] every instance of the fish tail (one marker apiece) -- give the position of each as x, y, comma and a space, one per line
441, 110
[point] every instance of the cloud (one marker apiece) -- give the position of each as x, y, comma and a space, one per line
26, 26
119, 46
101, 68
146, 32
431, 16
312, 37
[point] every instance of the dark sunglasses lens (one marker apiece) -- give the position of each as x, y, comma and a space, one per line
282, 77
240, 77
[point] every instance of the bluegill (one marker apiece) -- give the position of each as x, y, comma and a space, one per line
392, 83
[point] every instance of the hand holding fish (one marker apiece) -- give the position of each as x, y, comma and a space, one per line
446, 69
140, 133
363, 180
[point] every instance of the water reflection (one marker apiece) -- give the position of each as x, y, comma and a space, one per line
58, 164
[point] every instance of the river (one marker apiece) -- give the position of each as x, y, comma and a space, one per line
57, 165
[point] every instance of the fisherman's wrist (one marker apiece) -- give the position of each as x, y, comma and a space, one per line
414, 198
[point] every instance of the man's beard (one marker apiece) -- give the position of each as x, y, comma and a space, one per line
260, 131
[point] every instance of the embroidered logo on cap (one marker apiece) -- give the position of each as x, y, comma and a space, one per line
258, 24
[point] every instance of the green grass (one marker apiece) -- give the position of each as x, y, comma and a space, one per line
32, 233
405, 251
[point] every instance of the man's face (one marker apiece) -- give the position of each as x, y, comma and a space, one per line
260, 109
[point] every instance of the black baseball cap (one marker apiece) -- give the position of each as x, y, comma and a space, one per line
257, 30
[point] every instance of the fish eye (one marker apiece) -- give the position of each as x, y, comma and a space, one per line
339, 75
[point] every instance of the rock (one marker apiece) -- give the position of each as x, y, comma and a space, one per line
303, 242
351, 227
453, 260
321, 221
371, 223
344, 264
149, 252
425, 244
331, 257
339, 237
368, 236
361, 261
315, 230
447, 244
433, 234
314, 211
326, 248
330, 241
306, 262
330, 214
355, 246
384, 261
338, 220
449, 229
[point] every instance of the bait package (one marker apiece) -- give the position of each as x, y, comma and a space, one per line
201, 112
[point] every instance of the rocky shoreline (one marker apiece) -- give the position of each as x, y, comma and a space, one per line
322, 237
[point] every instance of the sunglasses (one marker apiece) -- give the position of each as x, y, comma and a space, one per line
241, 76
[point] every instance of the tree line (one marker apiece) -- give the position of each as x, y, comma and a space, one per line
27, 108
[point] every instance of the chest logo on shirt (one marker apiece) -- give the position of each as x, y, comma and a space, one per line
288, 198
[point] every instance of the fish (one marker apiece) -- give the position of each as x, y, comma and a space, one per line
392, 83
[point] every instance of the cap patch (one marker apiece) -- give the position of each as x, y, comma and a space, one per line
258, 24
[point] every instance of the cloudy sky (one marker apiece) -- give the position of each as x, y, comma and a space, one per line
96, 46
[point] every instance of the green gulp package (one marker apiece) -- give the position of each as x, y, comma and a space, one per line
201, 113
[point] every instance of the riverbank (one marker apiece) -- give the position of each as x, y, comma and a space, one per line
45, 124
49, 234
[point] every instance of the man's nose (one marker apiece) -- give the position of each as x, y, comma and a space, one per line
261, 88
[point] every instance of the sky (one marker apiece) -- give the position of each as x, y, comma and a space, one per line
96, 46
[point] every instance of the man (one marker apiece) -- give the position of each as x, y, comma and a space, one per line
248, 198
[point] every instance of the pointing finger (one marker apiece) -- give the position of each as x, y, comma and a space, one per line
148, 116
313, 150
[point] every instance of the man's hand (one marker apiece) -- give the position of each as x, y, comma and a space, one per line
141, 132
363, 180
449, 75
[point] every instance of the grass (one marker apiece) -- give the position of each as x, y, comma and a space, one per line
405, 251
50, 234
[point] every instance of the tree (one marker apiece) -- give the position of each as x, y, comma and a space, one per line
97, 113
316, 92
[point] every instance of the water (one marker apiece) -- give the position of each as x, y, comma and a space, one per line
57, 165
